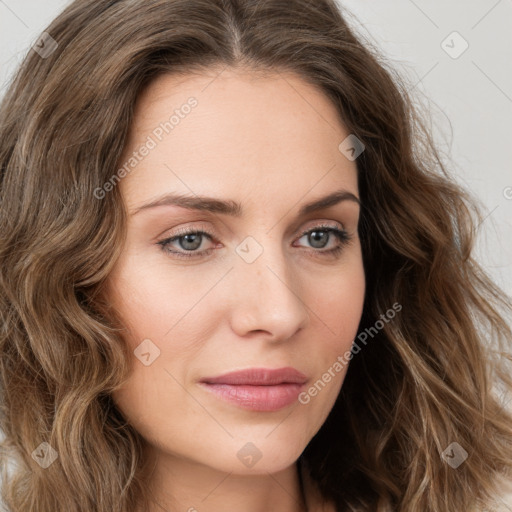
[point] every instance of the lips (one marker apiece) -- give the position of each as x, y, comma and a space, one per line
257, 389
259, 377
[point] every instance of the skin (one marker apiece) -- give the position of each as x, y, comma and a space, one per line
271, 143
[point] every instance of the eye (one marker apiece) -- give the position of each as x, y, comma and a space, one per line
190, 240
319, 237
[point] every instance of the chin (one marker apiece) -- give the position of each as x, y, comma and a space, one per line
261, 455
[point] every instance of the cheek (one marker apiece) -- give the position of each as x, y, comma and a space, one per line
337, 307
159, 409
152, 298
182, 308
338, 302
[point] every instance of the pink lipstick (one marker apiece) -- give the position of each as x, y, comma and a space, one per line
258, 389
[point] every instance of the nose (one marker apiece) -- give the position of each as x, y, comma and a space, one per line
266, 298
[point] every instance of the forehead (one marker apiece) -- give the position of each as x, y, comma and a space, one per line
235, 132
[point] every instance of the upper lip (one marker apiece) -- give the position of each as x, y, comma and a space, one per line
259, 377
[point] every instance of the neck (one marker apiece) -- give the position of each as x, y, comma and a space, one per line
178, 485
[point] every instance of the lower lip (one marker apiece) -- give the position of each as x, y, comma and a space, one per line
257, 398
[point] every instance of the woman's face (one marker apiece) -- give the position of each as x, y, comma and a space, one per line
255, 292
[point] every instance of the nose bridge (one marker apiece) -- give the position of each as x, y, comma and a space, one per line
267, 294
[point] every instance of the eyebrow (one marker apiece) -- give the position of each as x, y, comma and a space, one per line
234, 209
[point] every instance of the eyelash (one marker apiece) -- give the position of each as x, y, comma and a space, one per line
342, 235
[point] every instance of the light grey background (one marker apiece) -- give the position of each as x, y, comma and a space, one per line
470, 97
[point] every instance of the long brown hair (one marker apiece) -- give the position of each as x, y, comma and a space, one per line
421, 382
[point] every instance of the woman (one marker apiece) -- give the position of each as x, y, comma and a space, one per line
236, 275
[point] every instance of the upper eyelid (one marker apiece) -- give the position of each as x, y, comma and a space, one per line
325, 225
